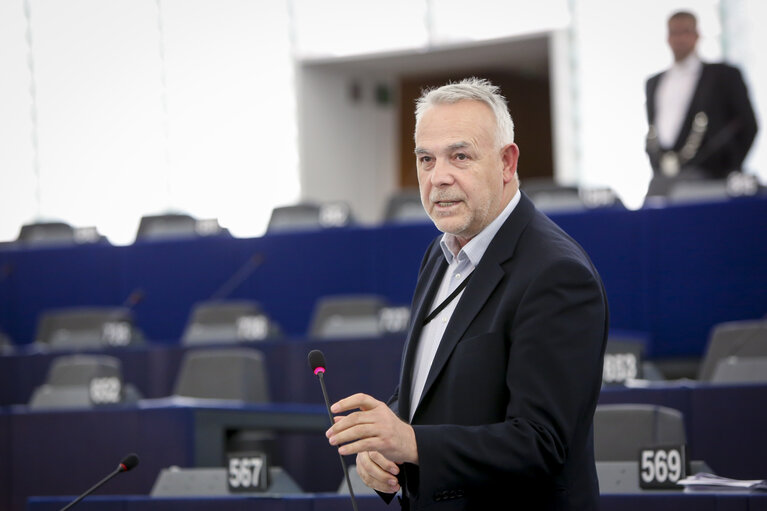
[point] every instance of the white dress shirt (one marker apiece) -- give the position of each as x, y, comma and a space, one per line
461, 262
673, 97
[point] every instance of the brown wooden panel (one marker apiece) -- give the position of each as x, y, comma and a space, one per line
529, 105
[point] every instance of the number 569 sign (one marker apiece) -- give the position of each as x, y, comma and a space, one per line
662, 467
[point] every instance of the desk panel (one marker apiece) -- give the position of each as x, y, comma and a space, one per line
705, 261
55, 453
725, 424
5, 454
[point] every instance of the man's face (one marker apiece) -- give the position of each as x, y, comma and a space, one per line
682, 37
465, 179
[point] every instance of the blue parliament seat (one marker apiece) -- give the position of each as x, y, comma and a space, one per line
171, 225
310, 216
404, 206
83, 381
86, 327
622, 429
357, 315
741, 370
228, 321
742, 339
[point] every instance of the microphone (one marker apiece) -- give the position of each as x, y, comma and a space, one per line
135, 298
127, 463
317, 363
240, 276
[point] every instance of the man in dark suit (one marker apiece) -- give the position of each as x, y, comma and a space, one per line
502, 365
701, 120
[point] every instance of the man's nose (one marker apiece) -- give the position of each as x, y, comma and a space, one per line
442, 173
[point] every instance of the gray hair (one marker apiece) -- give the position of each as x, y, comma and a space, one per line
475, 89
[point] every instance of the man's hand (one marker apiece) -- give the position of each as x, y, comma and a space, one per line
377, 472
374, 427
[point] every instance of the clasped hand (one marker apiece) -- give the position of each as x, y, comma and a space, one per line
380, 439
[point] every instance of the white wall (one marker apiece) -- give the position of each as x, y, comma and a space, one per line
744, 38
130, 107
145, 106
349, 148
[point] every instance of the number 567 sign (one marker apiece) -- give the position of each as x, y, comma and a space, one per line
662, 467
248, 472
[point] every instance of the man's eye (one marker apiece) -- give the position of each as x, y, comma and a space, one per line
461, 156
425, 159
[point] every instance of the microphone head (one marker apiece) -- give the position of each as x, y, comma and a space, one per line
317, 361
128, 462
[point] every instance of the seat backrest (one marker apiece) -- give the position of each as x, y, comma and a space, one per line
698, 190
621, 430
347, 316
405, 206
740, 339
231, 373
549, 196
294, 217
168, 225
6, 346
308, 216
87, 327
741, 370
83, 381
81, 369
624, 358
228, 321
46, 232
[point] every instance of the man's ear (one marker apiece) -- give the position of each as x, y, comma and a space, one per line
509, 157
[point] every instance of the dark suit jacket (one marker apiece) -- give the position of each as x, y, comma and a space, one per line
722, 95
506, 412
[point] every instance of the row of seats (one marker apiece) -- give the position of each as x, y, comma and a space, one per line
736, 352
169, 225
216, 321
403, 206
240, 375
87, 380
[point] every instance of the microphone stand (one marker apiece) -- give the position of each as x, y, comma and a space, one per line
343, 463
93, 488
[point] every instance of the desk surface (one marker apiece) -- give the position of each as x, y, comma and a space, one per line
672, 272
629, 502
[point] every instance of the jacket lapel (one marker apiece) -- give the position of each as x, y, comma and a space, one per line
424, 296
693, 109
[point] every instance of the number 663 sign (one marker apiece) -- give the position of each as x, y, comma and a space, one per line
662, 467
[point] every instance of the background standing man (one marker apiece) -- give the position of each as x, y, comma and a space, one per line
701, 120
502, 365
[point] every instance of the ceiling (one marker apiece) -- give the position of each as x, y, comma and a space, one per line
527, 55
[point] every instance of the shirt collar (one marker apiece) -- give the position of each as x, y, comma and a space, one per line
476, 247
690, 64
